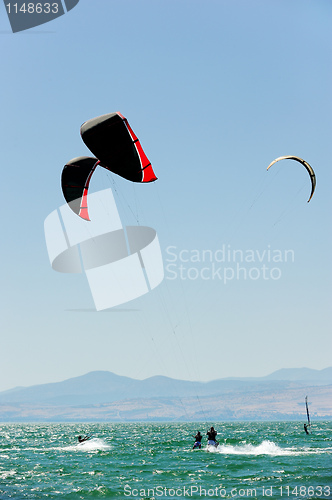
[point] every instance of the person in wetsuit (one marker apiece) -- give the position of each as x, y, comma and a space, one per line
211, 434
82, 439
198, 440
306, 428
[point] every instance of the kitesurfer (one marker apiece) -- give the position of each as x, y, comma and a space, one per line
82, 439
211, 434
306, 428
198, 440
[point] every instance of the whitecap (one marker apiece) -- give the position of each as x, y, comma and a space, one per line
265, 448
94, 444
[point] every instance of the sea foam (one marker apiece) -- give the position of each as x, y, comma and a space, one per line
265, 448
94, 444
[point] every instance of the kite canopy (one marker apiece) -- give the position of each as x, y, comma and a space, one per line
75, 179
305, 164
113, 142
116, 147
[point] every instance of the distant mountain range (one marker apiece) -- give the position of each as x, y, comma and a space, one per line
102, 395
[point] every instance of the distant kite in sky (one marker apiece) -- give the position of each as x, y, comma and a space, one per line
111, 139
305, 164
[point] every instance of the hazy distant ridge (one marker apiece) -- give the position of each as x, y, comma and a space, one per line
100, 387
303, 374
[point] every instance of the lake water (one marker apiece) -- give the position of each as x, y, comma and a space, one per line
155, 460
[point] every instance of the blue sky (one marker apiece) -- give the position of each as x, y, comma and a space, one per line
215, 90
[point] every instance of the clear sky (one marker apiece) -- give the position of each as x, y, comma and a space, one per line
215, 90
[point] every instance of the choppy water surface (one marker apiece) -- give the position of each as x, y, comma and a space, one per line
150, 461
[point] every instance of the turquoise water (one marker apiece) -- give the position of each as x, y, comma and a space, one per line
253, 460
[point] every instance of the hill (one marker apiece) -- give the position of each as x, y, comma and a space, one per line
103, 395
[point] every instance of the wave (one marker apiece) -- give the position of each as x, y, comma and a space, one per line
265, 448
93, 444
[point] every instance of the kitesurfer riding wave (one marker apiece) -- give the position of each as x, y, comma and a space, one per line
198, 439
82, 439
212, 433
